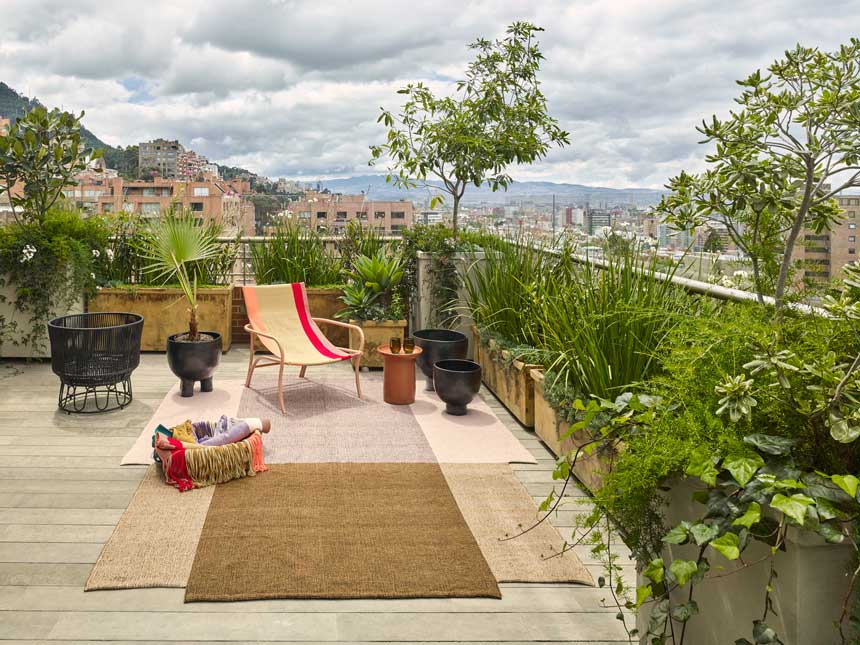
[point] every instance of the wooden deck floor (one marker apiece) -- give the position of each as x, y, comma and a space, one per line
61, 496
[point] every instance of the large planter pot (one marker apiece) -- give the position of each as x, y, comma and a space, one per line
376, 333
15, 326
327, 303
554, 432
508, 379
812, 580
457, 382
194, 361
166, 311
438, 345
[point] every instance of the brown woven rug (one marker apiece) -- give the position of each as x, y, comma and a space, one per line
338, 530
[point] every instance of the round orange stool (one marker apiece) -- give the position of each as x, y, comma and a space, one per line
398, 375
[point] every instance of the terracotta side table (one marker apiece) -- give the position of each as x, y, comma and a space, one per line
398, 376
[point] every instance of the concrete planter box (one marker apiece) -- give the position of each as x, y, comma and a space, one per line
325, 303
808, 592
165, 311
375, 334
589, 469
508, 379
11, 339
421, 308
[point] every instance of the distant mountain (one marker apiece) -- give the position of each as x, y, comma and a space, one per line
377, 188
125, 160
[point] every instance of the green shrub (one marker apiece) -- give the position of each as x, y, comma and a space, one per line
295, 254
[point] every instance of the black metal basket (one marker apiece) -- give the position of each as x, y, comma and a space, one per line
94, 355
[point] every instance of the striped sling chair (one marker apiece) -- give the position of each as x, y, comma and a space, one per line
279, 316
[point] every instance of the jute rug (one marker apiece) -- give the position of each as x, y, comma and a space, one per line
496, 506
175, 409
326, 422
338, 531
154, 543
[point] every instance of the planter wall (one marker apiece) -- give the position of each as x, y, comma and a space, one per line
323, 303
421, 310
375, 334
24, 324
509, 380
589, 469
165, 311
808, 592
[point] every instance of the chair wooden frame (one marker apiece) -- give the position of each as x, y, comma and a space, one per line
269, 359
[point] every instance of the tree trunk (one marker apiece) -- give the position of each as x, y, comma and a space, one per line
456, 211
193, 333
791, 240
757, 279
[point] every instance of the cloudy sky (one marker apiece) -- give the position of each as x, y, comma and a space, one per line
292, 88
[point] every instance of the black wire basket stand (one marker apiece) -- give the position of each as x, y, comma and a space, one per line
94, 355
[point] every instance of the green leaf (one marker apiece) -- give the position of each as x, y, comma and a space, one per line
750, 517
770, 444
642, 594
655, 571
727, 545
683, 570
793, 507
848, 483
678, 535
743, 467
685, 611
703, 533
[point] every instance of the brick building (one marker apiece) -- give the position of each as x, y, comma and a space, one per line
332, 212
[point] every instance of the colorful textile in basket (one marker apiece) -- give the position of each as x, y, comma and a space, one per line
190, 465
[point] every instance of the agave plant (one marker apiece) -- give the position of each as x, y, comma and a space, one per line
168, 246
371, 290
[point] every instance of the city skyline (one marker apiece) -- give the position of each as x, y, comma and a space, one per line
293, 90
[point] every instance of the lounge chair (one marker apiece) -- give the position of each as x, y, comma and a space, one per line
279, 316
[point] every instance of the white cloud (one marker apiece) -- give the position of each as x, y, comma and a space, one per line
290, 88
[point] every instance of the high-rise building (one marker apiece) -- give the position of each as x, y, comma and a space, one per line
594, 220
160, 156
823, 254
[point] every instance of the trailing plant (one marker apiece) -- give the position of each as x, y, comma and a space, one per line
371, 293
295, 254
51, 263
171, 246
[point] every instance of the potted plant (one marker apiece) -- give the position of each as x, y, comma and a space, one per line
373, 303
170, 245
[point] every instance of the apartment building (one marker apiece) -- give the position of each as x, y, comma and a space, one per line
160, 156
190, 165
4, 125
331, 213
822, 255
208, 200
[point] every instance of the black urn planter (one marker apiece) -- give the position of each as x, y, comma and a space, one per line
438, 345
194, 360
457, 382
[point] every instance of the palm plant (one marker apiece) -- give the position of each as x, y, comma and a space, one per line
169, 245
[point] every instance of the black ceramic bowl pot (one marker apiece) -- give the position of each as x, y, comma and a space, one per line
438, 345
194, 360
457, 383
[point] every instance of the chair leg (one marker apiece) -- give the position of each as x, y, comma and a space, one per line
357, 362
281, 389
302, 371
251, 364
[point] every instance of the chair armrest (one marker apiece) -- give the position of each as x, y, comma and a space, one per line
338, 323
250, 329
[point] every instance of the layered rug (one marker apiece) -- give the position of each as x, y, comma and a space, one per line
338, 531
363, 500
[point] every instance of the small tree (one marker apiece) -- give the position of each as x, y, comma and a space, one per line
498, 116
779, 160
42, 151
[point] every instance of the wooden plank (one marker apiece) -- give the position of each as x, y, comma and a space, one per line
65, 500
46, 517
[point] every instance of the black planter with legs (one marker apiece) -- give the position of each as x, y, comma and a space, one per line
194, 361
457, 382
438, 345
